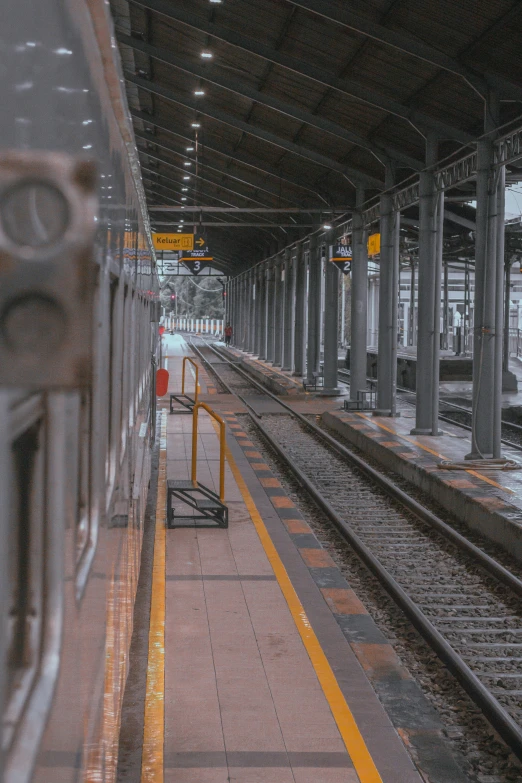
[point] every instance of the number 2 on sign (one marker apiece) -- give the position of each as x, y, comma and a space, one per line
346, 267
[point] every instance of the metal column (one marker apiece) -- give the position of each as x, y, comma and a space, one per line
429, 287
487, 366
331, 330
300, 312
359, 302
388, 291
278, 312
251, 312
270, 309
313, 346
263, 321
288, 326
244, 312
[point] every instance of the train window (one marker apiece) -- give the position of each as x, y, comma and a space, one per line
25, 570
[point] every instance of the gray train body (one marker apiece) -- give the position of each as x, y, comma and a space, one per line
75, 443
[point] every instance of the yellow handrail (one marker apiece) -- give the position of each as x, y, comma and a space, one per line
193, 363
222, 445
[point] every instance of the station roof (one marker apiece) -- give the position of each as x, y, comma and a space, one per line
306, 101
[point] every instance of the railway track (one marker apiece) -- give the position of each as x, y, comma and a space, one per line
465, 604
452, 413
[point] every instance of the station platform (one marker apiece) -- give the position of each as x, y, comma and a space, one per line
487, 501
262, 664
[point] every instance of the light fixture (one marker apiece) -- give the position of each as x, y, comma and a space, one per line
184, 198
190, 149
327, 227
186, 178
199, 92
187, 163
184, 190
207, 55
196, 125
216, 1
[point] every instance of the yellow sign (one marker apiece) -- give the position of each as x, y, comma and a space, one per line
374, 244
173, 241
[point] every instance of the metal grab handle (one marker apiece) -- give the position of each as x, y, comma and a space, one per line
193, 363
221, 423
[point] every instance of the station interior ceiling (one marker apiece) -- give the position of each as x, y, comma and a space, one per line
299, 104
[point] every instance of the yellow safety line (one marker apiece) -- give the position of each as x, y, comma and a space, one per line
355, 744
435, 453
154, 724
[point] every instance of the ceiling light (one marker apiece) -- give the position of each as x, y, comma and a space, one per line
186, 178
184, 190
207, 55
184, 198
327, 226
216, 1
199, 92
190, 149
187, 163
196, 125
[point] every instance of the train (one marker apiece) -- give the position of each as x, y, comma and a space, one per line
79, 317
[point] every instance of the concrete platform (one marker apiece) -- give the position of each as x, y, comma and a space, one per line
489, 502
273, 670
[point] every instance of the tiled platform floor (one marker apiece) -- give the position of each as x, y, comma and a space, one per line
243, 701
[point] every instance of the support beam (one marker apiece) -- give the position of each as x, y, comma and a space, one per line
331, 329
250, 312
406, 44
359, 302
235, 155
263, 210
270, 306
300, 313
204, 163
263, 303
343, 85
288, 326
354, 175
388, 295
429, 243
487, 343
313, 342
214, 75
278, 312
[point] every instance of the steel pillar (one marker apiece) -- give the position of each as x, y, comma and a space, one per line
244, 312
429, 289
257, 311
388, 300
263, 321
359, 302
251, 312
278, 312
288, 325
313, 343
487, 337
300, 312
270, 309
331, 330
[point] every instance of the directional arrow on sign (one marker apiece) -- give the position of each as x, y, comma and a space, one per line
200, 241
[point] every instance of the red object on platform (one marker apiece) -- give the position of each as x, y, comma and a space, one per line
161, 330
162, 382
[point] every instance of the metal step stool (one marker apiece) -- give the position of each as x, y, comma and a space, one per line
208, 508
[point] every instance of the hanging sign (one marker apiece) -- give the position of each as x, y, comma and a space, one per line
374, 244
173, 241
194, 265
341, 255
198, 257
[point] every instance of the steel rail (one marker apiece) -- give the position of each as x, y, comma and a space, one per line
499, 718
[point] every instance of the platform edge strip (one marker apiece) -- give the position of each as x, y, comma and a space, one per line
152, 766
355, 745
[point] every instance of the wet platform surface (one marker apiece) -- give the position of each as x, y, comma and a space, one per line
261, 683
